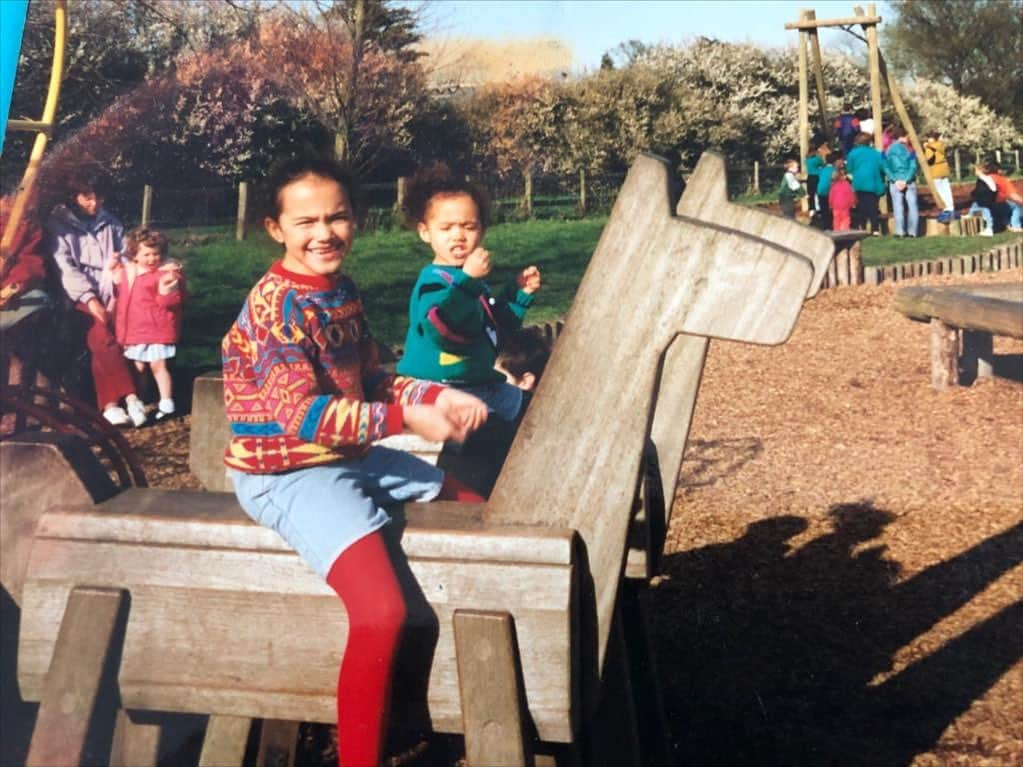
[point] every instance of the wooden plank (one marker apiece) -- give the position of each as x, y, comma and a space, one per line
944, 355
996, 309
695, 278
839, 22
225, 741
190, 603
278, 741
72, 692
490, 688
135, 744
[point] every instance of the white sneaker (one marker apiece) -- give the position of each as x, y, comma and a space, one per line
137, 412
987, 233
116, 416
164, 409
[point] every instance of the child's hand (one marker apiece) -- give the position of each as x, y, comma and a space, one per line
432, 423
463, 408
477, 264
529, 279
169, 280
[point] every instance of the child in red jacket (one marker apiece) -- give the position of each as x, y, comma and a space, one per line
841, 198
149, 296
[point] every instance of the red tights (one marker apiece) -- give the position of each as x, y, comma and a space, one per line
364, 578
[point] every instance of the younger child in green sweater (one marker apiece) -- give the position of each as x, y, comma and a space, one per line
456, 326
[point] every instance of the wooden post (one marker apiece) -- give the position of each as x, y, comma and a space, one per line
756, 177
1015, 152
225, 741
959, 168
582, 190
134, 744
527, 198
72, 690
804, 107
944, 355
147, 203
243, 203
874, 61
818, 71
399, 199
488, 680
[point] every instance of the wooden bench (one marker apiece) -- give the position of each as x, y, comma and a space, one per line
964, 319
520, 627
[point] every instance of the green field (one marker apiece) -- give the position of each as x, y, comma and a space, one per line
384, 265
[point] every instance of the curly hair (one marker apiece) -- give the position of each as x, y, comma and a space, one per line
438, 180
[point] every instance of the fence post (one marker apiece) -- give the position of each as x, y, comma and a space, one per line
527, 199
1016, 153
243, 202
959, 169
582, 190
147, 203
399, 199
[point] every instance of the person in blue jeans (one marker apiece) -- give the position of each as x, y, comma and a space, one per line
900, 167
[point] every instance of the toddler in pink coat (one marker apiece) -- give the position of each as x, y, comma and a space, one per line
149, 293
841, 198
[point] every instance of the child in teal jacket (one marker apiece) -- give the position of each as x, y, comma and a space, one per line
456, 324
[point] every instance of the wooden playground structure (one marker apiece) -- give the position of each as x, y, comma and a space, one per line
807, 26
524, 633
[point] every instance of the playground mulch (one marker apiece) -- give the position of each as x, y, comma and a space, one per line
843, 573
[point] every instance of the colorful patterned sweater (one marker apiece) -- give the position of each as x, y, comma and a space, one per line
302, 380
455, 326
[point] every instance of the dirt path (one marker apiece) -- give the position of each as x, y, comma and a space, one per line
843, 579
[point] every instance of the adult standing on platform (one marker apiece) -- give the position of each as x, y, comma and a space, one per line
900, 168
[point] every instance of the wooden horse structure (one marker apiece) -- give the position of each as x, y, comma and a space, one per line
174, 601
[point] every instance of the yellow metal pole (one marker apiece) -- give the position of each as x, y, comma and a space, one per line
28, 180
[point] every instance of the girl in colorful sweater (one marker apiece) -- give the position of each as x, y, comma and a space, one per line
147, 318
456, 325
305, 397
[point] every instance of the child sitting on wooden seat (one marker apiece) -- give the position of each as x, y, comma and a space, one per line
456, 325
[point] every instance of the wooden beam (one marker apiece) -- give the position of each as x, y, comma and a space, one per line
72, 690
818, 71
874, 58
135, 744
805, 23
991, 308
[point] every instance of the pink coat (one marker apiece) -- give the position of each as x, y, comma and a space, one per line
142, 315
841, 195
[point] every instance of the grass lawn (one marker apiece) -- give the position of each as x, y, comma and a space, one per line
385, 264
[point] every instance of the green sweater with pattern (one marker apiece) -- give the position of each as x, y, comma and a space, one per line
456, 326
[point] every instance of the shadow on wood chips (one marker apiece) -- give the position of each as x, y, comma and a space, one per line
770, 654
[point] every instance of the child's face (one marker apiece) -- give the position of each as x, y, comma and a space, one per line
315, 225
148, 258
451, 228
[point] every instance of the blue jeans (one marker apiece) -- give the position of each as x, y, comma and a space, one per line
1014, 213
502, 399
907, 196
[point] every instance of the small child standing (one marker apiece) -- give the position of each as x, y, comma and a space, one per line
790, 189
456, 325
841, 198
305, 395
147, 318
